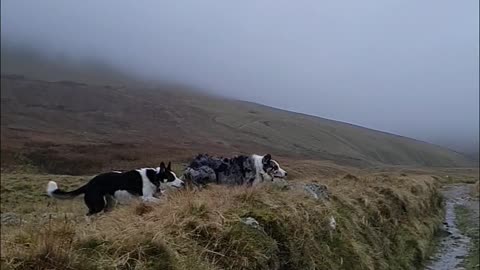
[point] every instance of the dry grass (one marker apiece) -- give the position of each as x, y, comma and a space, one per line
383, 222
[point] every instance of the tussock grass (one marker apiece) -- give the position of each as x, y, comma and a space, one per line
383, 222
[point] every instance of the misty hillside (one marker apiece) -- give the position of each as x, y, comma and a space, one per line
30, 62
73, 123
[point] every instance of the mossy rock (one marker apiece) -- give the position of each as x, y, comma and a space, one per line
153, 254
248, 247
276, 228
159, 256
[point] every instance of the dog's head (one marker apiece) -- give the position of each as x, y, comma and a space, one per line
167, 176
272, 168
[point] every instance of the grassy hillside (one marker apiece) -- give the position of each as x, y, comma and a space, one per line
382, 222
76, 128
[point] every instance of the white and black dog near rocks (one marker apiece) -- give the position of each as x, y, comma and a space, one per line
100, 191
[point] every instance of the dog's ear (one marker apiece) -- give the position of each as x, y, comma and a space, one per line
266, 159
162, 166
169, 167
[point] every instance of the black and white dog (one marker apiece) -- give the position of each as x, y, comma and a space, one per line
103, 188
239, 170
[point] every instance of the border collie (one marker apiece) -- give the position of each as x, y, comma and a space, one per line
102, 189
239, 170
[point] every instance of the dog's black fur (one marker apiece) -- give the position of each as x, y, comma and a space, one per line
100, 191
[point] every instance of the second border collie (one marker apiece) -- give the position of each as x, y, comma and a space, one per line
239, 170
100, 191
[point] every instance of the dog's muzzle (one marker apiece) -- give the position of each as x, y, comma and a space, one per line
178, 183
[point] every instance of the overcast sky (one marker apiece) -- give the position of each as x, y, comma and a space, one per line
404, 66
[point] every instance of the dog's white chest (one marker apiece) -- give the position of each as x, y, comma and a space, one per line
257, 160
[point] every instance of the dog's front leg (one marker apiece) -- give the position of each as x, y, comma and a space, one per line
150, 199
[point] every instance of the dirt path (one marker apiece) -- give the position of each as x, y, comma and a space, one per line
454, 247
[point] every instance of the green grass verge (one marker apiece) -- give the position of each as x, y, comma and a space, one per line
470, 227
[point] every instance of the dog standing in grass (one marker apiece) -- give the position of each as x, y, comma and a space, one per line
101, 190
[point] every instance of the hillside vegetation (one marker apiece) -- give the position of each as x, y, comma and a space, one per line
382, 222
386, 215
76, 128
70, 119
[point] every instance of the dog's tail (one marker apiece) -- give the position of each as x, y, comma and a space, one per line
53, 191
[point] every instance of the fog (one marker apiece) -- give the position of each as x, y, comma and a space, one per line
405, 67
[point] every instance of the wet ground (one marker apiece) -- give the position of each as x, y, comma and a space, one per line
454, 246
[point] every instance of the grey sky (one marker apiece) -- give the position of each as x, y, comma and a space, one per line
407, 67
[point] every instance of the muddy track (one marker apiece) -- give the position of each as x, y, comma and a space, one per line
454, 246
